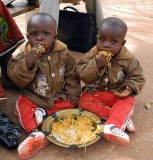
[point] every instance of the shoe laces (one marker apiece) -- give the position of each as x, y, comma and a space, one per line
129, 123
130, 126
117, 131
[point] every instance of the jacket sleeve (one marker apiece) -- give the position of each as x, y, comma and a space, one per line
135, 76
87, 69
72, 83
18, 72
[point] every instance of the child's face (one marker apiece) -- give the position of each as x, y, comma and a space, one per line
41, 30
110, 38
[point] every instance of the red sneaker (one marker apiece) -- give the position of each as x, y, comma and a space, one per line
31, 145
2, 93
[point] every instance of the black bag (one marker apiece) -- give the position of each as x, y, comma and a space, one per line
9, 132
77, 30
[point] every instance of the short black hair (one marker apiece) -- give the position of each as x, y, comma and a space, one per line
113, 21
42, 14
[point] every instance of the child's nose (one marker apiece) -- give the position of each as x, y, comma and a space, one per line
39, 37
107, 44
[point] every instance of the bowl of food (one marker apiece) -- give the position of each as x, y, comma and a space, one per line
73, 128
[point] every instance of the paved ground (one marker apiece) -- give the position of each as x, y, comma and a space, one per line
138, 15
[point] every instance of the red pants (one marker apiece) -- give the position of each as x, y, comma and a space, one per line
25, 111
107, 106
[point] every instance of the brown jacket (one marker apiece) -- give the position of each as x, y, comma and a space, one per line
49, 79
126, 71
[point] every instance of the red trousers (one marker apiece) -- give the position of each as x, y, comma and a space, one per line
25, 111
107, 106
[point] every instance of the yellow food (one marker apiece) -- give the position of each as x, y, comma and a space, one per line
39, 48
108, 56
75, 129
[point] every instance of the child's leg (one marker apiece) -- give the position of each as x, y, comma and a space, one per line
121, 111
59, 105
25, 111
98, 103
119, 115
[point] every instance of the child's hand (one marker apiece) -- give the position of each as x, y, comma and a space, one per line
101, 61
73, 99
34, 54
127, 92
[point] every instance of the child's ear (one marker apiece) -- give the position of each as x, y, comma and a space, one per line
123, 43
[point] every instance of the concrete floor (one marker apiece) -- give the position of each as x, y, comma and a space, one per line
138, 14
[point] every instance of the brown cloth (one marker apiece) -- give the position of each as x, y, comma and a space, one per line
10, 35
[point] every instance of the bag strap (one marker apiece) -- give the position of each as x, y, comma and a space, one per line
69, 7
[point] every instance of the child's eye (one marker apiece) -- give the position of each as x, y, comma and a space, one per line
46, 33
114, 42
101, 39
33, 34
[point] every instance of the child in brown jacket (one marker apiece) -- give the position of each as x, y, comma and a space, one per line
45, 72
112, 77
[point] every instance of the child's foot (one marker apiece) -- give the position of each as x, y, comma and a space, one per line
2, 93
114, 134
32, 144
130, 126
39, 115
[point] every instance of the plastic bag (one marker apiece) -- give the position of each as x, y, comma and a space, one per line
9, 132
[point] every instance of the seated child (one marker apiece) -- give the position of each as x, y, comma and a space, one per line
46, 74
112, 77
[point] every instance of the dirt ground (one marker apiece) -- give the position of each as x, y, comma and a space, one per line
138, 14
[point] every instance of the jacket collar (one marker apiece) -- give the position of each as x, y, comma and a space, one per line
59, 46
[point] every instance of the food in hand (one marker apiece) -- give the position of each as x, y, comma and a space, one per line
40, 49
108, 56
